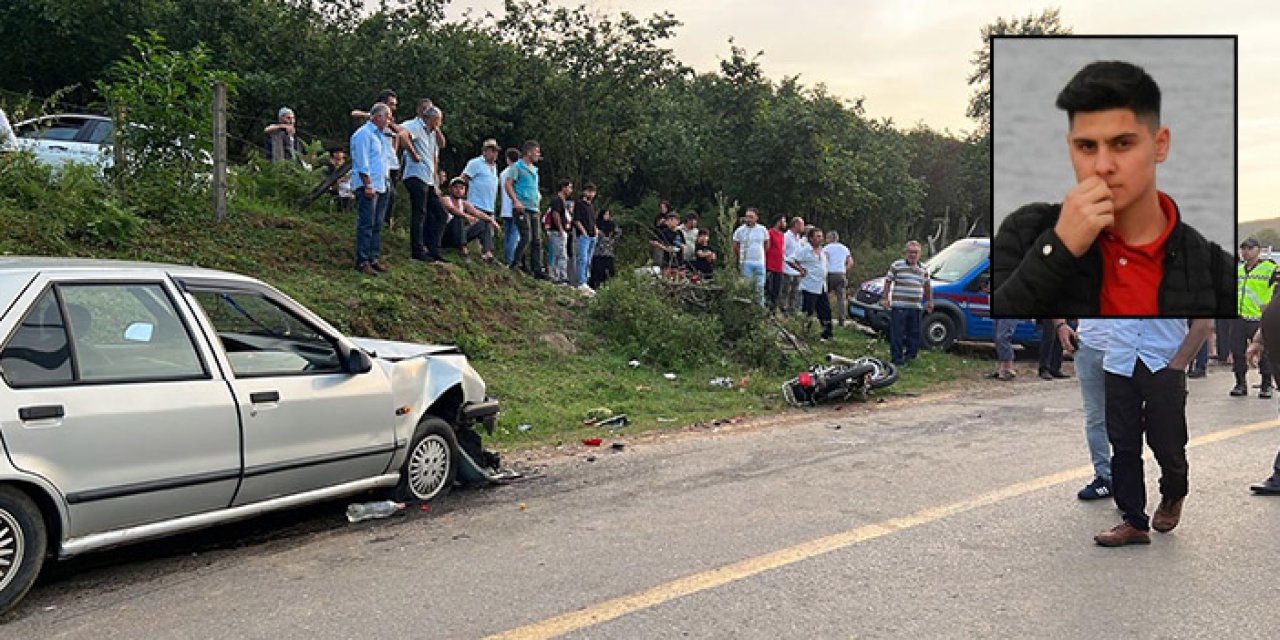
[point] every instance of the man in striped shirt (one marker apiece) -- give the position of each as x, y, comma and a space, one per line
906, 293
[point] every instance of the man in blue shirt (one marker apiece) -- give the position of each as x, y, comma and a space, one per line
369, 181
422, 140
521, 186
481, 174
1146, 389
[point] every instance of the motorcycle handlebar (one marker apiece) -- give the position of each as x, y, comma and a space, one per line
838, 359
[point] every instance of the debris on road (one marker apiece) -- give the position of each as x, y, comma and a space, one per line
617, 422
523, 506
426, 507
591, 442
373, 510
669, 376
617, 446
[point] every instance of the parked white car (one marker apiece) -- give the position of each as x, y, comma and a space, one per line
142, 400
66, 138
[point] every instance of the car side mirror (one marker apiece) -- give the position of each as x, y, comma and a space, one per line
357, 361
139, 332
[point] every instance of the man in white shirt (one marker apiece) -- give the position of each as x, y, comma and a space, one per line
810, 261
750, 240
839, 262
481, 174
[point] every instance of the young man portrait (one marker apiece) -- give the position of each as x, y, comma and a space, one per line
1116, 245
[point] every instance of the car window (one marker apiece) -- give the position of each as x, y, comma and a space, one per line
262, 338
956, 261
37, 352
63, 129
99, 132
128, 332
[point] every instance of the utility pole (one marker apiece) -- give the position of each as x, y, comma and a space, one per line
219, 150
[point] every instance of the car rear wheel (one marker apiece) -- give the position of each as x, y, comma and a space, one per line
429, 469
939, 331
22, 545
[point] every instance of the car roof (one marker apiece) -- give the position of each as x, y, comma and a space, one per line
88, 116
34, 264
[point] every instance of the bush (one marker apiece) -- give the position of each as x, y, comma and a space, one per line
634, 314
46, 210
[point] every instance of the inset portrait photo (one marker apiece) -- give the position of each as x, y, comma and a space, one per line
1113, 177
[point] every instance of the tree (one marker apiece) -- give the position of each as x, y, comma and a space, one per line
1045, 24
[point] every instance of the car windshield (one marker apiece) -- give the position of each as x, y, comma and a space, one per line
956, 261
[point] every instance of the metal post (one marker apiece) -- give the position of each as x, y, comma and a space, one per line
219, 150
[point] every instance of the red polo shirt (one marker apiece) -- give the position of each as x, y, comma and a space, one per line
1131, 275
773, 257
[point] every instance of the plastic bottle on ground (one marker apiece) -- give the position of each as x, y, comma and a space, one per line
371, 510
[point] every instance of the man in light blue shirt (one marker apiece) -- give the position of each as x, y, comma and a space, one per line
1146, 389
481, 174
422, 140
369, 181
810, 265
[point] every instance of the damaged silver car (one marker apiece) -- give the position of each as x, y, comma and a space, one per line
142, 400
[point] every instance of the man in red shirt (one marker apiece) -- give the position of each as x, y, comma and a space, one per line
773, 259
1116, 245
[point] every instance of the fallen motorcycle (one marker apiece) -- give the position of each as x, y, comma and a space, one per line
841, 379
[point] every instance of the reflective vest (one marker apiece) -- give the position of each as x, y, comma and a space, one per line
1253, 288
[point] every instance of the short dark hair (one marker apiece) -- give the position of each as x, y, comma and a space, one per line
812, 232
690, 216
386, 95
780, 216
704, 232
590, 186
512, 154
564, 182
1112, 84
529, 145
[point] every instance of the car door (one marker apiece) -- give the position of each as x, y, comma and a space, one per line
307, 422
112, 399
58, 140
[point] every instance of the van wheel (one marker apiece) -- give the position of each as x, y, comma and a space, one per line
22, 546
429, 468
939, 331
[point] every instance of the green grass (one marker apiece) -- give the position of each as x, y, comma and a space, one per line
494, 315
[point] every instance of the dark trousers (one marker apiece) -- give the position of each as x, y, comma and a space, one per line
530, 224
602, 269
436, 219
1050, 348
904, 334
1241, 331
417, 215
1222, 335
1153, 404
772, 288
818, 303
390, 196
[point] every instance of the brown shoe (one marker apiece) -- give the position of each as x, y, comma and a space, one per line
379, 267
1122, 534
1168, 515
367, 269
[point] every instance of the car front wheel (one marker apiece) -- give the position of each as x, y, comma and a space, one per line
939, 331
429, 469
22, 545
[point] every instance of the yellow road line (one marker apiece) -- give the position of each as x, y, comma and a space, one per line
720, 576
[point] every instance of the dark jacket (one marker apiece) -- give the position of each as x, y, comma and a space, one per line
1035, 276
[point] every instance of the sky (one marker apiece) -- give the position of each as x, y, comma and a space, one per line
910, 59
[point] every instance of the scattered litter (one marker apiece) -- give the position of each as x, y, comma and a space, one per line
633, 364
722, 382
51, 607
505, 475
669, 376
463, 536
879, 400
524, 427
666, 419
640, 388
591, 442
426, 507
616, 422
370, 510
835, 427
617, 446
839, 407
591, 458
523, 506
597, 414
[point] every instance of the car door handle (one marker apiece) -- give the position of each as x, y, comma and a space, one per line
43, 412
262, 397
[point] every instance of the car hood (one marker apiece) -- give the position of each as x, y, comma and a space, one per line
394, 351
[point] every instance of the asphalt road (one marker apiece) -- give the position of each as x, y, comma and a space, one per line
949, 515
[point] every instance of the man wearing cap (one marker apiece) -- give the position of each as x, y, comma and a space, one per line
1254, 279
481, 174
422, 140
282, 138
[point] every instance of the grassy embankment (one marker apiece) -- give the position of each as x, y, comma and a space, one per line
497, 317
